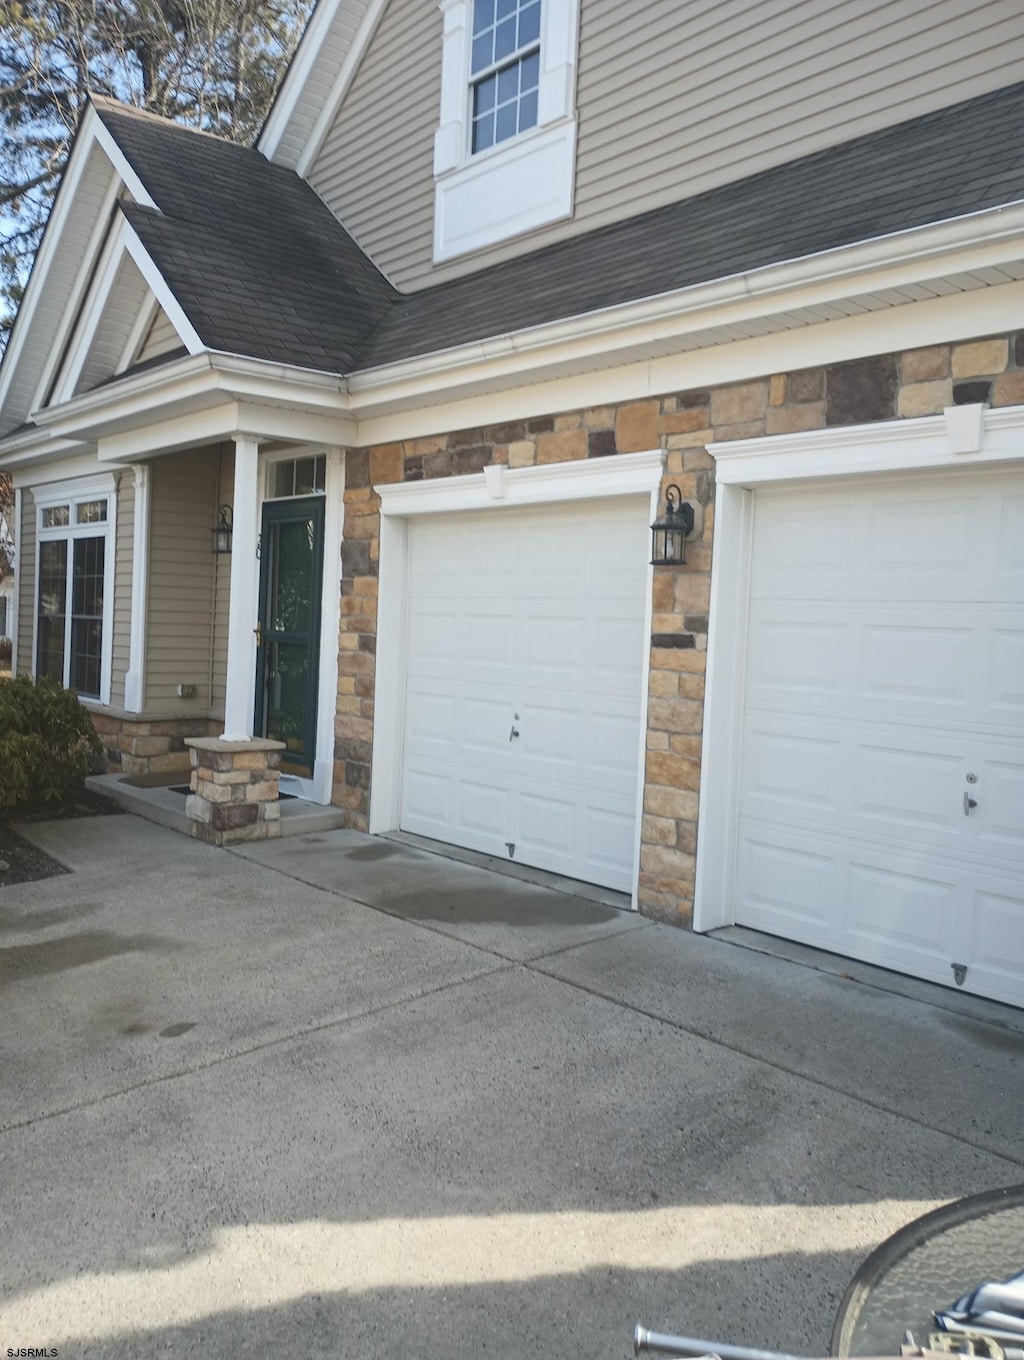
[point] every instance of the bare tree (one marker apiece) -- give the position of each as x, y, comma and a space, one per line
210, 64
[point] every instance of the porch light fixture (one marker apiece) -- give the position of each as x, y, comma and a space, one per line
222, 530
668, 534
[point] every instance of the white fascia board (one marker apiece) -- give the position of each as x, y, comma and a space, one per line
340, 87
118, 160
300, 68
50, 250
194, 383
977, 241
147, 267
100, 290
216, 423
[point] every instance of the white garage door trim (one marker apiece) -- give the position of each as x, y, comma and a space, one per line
965, 437
494, 489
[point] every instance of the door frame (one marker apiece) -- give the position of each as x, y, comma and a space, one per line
319, 788
965, 437
278, 510
496, 488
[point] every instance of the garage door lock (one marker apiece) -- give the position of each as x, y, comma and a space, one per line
959, 973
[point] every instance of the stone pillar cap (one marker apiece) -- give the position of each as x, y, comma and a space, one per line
219, 744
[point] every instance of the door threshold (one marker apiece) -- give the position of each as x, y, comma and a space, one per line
872, 975
572, 887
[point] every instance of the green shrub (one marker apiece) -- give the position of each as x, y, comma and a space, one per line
45, 739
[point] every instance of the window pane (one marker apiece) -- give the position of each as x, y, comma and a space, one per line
483, 132
528, 111
483, 96
508, 84
504, 39
530, 72
303, 476
320, 475
483, 15
56, 516
507, 7
86, 656
483, 50
529, 24
507, 120
3, 616
53, 584
91, 512
284, 477
87, 615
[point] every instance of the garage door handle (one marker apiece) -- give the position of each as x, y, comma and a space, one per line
969, 803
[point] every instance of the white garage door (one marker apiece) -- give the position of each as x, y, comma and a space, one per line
884, 692
524, 684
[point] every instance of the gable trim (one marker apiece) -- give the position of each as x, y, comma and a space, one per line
340, 87
121, 243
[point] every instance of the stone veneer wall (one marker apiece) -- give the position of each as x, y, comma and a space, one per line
915, 383
143, 746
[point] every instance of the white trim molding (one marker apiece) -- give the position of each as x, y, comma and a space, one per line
243, 601
519, 184
135, 679
619, 475
16, 534
330, 615
902, 447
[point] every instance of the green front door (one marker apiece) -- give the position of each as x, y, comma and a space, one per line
288, 655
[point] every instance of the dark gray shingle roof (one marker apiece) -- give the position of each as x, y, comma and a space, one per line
259, 265
263, 269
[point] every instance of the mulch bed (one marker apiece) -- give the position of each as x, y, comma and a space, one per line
20, 861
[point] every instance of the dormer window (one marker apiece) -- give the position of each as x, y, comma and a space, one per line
505, 69
505, 146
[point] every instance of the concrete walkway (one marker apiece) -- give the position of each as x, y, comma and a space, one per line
334, 1096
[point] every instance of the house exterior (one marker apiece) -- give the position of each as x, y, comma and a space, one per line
499, 274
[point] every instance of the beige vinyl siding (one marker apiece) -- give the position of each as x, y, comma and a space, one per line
26, 584
376, 168
161, 338
222, 592
127, 298
123, 565
181, 579
695, 94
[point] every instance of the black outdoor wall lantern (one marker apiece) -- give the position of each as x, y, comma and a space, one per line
222, 530
668, 534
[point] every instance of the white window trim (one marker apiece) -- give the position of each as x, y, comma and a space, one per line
69, 493
931, 444
496, 487
522, 183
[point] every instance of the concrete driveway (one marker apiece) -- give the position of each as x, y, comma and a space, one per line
340, 1097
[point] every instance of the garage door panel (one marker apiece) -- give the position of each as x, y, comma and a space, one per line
923, 664
555, 635
787, 887
914, 913
874, 687
997, 946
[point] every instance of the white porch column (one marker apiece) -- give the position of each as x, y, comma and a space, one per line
135, 680
239, 705
14, 623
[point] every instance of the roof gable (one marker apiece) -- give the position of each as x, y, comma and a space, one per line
318, 76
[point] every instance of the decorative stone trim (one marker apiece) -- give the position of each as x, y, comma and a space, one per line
140, 746
234, 790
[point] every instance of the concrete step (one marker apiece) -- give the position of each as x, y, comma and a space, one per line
167, 808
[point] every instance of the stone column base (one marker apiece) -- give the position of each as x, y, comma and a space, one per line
234, 790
